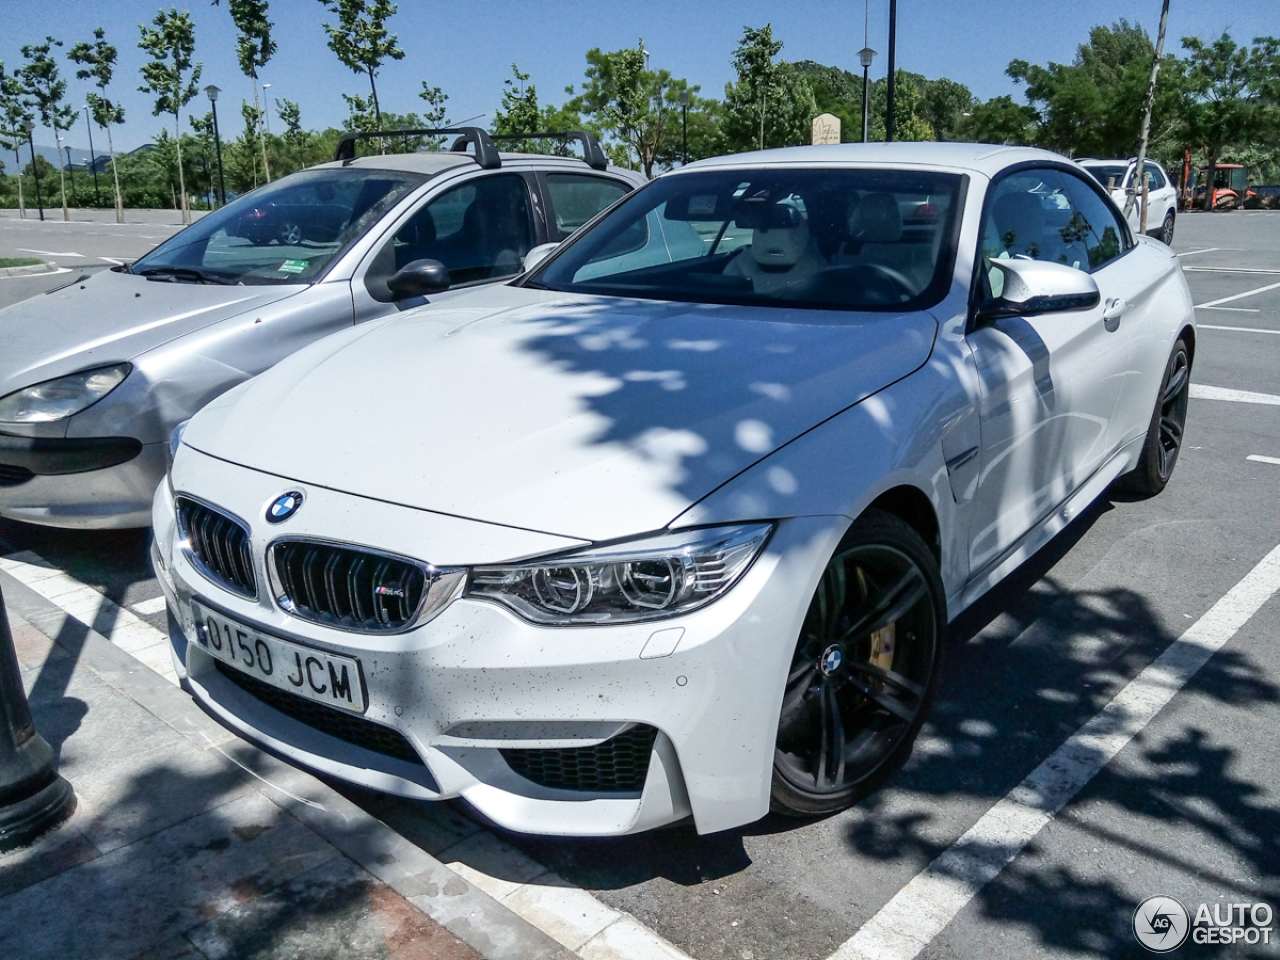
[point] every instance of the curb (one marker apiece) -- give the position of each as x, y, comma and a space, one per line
470, 914
31, 270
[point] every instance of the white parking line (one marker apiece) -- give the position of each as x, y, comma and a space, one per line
918, 912
1258, 458
1226, 270
50, 253
1232, 309
1238, 296
1192, 253
134, 636
1210, 326
570, 915
1201, 392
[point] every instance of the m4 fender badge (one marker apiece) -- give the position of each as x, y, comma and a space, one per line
284, 506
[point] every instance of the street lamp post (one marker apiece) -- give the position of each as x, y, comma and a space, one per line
70, 168
266, 107
865, 55
684, 127
93, 159
27, 128
213, 92
33, 798
893, 46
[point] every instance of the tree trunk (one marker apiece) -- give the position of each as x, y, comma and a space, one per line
1147, 103
764, 98
1208, 184
182, 181
22, 208
115, 175
377, 111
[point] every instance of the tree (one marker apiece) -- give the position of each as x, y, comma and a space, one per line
1227, 102
171, 45
638, 107
519, 111
945, 104
999, 120
434, 114
771, 104
361, 40
98, 61
254, 49
837, 92
40, 73
15, 114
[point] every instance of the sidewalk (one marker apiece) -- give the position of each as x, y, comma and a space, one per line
190, 844
95, 215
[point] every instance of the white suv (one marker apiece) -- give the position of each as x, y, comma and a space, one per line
1162, 195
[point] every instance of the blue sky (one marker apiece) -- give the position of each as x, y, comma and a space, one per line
467, 46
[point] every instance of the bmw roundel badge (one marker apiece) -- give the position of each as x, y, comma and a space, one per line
284, 506
832, 658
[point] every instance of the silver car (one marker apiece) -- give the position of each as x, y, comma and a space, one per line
95, 375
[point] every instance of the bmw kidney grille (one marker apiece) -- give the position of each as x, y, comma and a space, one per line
344, 587
219, 545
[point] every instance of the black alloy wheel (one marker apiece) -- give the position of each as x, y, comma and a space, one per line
290, 234
864, 672
1164, 436
1166, 230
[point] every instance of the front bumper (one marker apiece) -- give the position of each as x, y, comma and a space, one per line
84, 484
476, 680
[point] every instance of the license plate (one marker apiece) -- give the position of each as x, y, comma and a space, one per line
324, 677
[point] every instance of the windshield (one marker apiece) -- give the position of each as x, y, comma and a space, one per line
286, 232
855, 239
1104, 172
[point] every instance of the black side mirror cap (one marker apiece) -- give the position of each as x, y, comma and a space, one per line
418, 278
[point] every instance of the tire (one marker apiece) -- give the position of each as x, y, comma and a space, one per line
1163, 442
1166, 229
289, 234
864, 671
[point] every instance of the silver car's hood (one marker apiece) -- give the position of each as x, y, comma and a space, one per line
111, 317
588, 417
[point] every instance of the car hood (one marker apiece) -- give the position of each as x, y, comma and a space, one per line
592, 418
111, 317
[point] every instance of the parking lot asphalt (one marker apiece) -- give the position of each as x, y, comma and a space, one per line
1186, 805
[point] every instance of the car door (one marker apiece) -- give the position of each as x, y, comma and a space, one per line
1050, 382
574, 198
479, 228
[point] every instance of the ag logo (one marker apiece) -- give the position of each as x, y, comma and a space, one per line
284, 506
1161, 924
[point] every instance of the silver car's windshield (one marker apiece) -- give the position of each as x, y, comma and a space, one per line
286, 232
852, 239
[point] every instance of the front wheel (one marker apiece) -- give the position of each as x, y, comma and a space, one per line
1164, 435
864, 672
1166, 230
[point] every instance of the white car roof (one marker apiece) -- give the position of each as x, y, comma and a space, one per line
985, 158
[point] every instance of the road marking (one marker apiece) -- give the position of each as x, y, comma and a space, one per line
113, 260
1192, 253
1238, 296
50, 253
1225, 270
134, 636
1210, 326
1201, 392
1233, 309
570, 915
1256, 458
919, 911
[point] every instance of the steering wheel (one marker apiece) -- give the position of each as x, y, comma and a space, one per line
902, 286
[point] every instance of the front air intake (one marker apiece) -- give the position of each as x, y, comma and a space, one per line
218, 544
348, 587
618, 765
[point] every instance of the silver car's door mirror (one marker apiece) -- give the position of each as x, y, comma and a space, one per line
537, 255
418, 278
1033, 287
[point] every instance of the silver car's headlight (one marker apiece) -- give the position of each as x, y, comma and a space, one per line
175, 438
62, 397
661, 576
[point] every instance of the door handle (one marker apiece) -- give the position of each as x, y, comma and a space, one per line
1112, 312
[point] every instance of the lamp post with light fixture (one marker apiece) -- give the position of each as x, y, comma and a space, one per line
93, 159
684, 127
865, 55
212, 93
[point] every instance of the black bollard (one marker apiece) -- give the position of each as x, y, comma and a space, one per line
33, 798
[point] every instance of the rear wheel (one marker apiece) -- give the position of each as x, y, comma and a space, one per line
864, 672
1164, 436
290, 234
1166, 230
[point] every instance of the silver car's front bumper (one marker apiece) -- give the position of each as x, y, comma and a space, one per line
116, 497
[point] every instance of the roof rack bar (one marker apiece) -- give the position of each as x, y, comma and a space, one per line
591, 151
486, 153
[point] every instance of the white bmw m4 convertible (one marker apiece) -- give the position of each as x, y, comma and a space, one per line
673, 524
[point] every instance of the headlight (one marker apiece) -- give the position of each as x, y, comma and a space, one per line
662, 576
175, 439
60, 398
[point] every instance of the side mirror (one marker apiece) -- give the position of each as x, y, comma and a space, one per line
417, 278
537, 255
1033, 287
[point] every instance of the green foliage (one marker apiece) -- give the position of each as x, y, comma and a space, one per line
15, 111
254, 48
771, 104
519, 111
170, 42
837, 92
361, 40
40, 74
98, 61
999, 120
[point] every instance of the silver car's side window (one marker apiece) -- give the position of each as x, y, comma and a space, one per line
480, 230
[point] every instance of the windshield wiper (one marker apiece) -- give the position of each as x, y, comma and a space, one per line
176, 274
